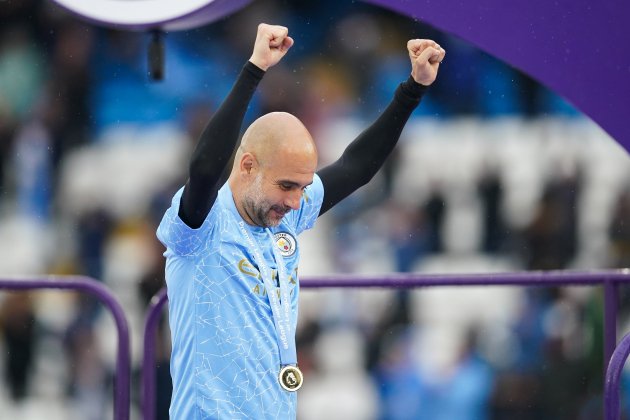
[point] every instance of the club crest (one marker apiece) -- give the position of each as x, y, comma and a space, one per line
286, 243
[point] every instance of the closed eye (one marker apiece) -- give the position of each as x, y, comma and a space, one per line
288, 186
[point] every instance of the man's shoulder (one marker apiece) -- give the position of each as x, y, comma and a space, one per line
175, 234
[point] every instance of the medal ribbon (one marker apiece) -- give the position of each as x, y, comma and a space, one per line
280, 309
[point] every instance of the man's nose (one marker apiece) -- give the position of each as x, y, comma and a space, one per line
293, 199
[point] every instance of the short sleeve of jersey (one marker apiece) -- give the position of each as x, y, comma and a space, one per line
176, 235
312, 200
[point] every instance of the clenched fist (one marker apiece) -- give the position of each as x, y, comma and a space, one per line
426, 56
272, 43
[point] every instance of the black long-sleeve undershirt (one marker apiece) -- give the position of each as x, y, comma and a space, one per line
359, 163
208, 166
366, 154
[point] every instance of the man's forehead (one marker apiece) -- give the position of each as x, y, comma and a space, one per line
293, 175
293, 164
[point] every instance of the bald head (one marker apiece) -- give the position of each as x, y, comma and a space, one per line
277, 136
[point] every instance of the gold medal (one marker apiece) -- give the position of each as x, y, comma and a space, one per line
291, 378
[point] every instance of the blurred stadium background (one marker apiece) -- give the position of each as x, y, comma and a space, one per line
494, 173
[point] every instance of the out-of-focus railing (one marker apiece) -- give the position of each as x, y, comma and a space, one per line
102, 293
609, 279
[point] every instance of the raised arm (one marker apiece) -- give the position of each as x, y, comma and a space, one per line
208, 166
366, 154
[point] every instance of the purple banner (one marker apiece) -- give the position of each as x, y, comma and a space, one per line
578, 48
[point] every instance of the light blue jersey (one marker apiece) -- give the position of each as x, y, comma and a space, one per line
225, 358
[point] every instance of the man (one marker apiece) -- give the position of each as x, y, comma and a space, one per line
232, 252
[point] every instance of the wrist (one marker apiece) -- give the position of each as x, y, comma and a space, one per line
410, 92
415, 88
258, 64
423, 83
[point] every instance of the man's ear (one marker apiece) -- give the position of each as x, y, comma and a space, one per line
248, 162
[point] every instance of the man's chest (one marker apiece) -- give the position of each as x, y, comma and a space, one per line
232, 264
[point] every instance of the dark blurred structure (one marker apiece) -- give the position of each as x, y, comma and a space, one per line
18, 331
551, 238
493, 223
619, 231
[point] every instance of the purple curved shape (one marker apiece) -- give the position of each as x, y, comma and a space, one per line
148, 361
211, 12
608, 278
102, 293
613, 378
578, 48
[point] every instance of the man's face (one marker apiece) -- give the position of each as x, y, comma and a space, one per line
275, 191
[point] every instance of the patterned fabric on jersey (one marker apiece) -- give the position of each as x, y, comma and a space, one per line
225, 357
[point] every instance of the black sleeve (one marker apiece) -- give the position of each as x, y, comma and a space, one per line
366, 154
208, 166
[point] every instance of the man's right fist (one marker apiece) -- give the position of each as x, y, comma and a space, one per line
272, 43
426, 56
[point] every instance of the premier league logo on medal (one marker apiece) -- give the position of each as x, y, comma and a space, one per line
286, 243
291, 378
